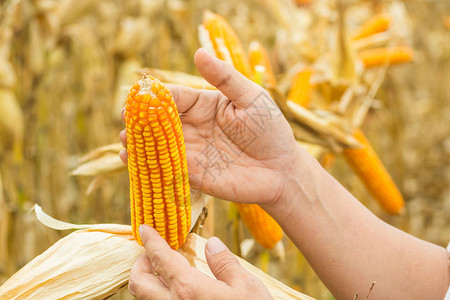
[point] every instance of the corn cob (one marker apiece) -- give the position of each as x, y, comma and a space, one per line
261, 225
226, 43
374, 175
380, 56
301, 87
327, 160
376, 24
260, 64
302, 2
159, 183
447, 22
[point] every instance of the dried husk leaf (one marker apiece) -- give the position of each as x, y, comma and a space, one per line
95, 262
91, 263
178, 78
107, 163
100, 151
321, 125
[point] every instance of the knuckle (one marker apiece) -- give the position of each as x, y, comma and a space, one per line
250, 284
184, 292
223, 264
132, 285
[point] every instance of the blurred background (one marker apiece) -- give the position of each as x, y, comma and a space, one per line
66, 67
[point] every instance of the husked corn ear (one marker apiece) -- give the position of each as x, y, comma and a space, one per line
376, 24
159, 183
327, 160
374, 175
226, 43
303, 2
260, 64
261, 225
301, 88
379, 56
447, 22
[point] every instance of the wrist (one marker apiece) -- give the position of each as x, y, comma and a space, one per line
297, 185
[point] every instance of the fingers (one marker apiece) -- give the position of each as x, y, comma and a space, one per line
123, 156
122, 113
223, 263
123, 137
238, 88
184, 97
144, 284
123, 153
169, 264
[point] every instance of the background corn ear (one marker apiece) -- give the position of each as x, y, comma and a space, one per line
226, 43
373, 174
301, 87
261, 225
379, 56
376, 24
159, 183
260, 63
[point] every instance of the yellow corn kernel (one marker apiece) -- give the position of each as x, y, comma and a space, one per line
380, 56
376, 24
159, 186
260, 64
301, 88
374, 175
226, 43
261, 225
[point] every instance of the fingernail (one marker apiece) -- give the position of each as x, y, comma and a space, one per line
214, 246
205, 51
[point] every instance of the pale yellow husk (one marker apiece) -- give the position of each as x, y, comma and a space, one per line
94, 262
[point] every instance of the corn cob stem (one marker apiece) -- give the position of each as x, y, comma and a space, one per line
159, 183
371, 171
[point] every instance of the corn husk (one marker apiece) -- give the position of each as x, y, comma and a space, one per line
94, 262
180, 78
107, 163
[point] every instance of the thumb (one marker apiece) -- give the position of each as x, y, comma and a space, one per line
238, 88
222, 262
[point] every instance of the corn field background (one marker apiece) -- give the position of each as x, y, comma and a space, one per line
66, 66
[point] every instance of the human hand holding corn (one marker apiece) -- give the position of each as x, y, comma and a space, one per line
260, 162
229, 136
161, 273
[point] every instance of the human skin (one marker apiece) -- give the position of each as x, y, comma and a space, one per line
258, 161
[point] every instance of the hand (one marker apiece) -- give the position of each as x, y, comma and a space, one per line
239, 147
176, 279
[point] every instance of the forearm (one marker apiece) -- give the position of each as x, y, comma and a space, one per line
349, 247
